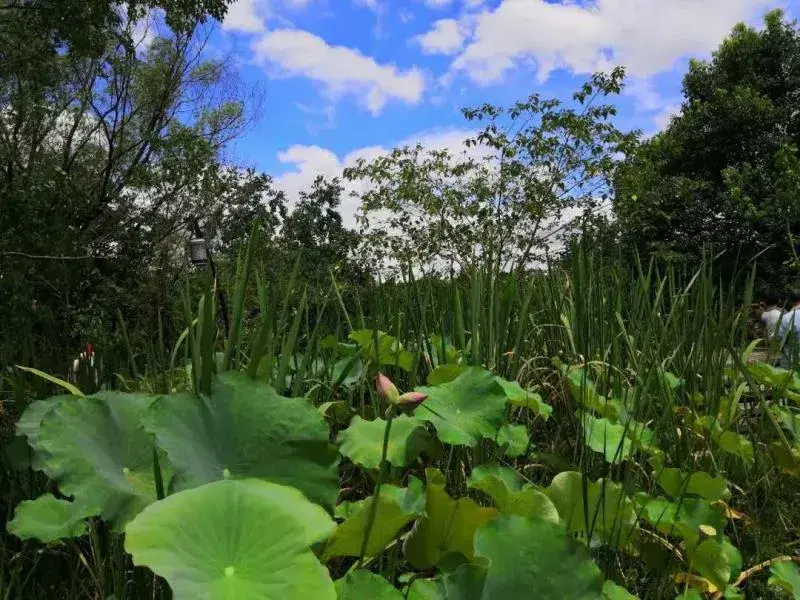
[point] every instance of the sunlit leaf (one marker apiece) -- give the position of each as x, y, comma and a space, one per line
736, 444
445, 373
612, 591
514, 438
715, 560
448, 525
362, 441
396, 509
246, 430
426, 589
244, 539
612, 440
464, 410
682, 518
677, 484
390, 351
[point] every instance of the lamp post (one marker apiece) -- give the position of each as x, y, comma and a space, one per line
200, 255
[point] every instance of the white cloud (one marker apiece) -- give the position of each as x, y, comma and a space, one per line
246, 16
446, 37
307, 162
663, 119
647, 36
341, 70
438, 3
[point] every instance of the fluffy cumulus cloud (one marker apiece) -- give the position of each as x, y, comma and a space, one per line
342, 70
445, 37
305, 163
246, 16
647, 36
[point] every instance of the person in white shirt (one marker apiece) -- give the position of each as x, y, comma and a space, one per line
789, 332
772, 314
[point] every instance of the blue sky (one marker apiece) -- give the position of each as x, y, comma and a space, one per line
349, 78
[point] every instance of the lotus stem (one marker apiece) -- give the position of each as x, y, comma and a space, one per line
373, 509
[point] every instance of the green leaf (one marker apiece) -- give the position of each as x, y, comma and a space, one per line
363, 585
426, 589
390, 350
362, 441
97, 451
448, 525
714, 561
601, 509
786, 575
396, 509
514, 438
683, 518
611, 440
244, 539
516, 395
736, 444
246, 430
612, 591
677, 484
445, 374
347, 372
585, 393
48, 519
503, 486
72, 389
526, 558
464, 410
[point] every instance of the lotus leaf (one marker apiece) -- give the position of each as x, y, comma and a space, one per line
48, 519
503, 486
242, 539
519, 396
246, 430
362, 441
97, 451
363, 585
464, 410
514, 438
786, 575
448, 525
677, 484
610, 512
526, 558
396, 509
390, 351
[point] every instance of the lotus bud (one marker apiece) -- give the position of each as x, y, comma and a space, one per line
411, 400
386, 389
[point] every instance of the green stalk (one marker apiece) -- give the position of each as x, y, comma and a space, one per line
373, 508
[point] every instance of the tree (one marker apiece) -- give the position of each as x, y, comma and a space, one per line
504, 197
314, 231
108, 147
725, 175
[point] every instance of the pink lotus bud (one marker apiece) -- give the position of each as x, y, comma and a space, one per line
411, 400
386, 388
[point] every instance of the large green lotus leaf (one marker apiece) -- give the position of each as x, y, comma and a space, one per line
774, 376
677, 484
585, 393
612, 440
448, 525
516, 395
464, 410
30, 421
245, 430
610, 513
97, 451
238, 539
362, 441
363, 585
390, 351
682, 518
612, 591
48, 519
526, 558
396, 509
503, 486
514, 438
786, 575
